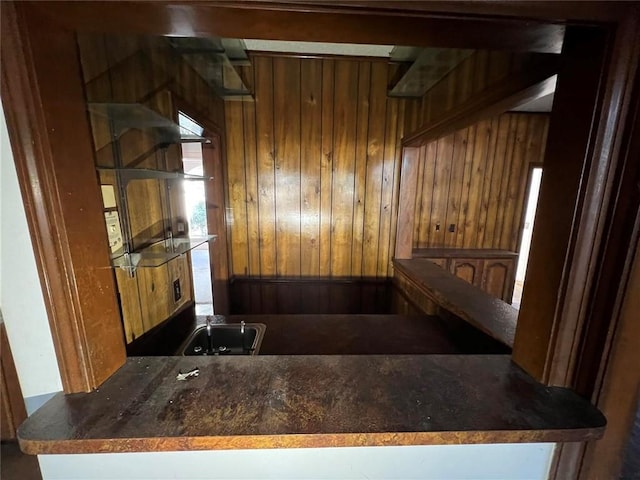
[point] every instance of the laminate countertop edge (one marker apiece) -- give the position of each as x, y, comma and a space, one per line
310, 402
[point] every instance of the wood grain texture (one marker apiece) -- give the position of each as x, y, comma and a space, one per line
327, 149
12, 408
131, 69
483, 85
44, 103
488, 314
476, 179
314, 401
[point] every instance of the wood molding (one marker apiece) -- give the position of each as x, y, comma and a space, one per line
572, 11
320, 24
49, 132
569, 157
12, 402
531, 82
407, 202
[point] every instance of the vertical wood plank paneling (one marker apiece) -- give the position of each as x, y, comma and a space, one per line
362, 130
326, 166
344, 134
486, 181
144, 70
395, 206
466, 186
456, 180
441, 184
375, 159
321, 164
311, 159
478, 177
388, 178
499, 160
517, 172
480, 146
417, 224
263, 69
427, 227
251, 186
286, 118
237, 213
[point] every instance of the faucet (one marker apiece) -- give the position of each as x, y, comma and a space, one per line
209, 337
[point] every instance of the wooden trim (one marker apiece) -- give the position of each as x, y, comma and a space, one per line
518, 88
13, 409
49, 131
543, 313
216, 204
407, 202
594, 12
289, 22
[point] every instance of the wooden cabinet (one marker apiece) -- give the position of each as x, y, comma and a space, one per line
490, 270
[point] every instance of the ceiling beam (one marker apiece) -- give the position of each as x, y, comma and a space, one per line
235, 20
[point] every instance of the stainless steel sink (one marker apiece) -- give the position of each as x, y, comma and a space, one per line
225, 339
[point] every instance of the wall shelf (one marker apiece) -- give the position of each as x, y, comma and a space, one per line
159, 252
125, 116
129, 174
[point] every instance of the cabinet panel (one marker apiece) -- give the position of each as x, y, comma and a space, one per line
491, 270
468, 269
441, 262
156, 294
497, 278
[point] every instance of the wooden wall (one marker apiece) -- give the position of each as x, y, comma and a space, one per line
313, 169
476, 179
475, 74
145, 70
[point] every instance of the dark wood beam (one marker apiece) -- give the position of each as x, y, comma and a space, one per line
532, 81
548, 324
573, 11
307, 23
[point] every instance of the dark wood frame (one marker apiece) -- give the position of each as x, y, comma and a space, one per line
49, 130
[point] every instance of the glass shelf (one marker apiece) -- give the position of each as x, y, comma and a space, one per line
125, 116
128, 174
159, 253
214, 60
430, 66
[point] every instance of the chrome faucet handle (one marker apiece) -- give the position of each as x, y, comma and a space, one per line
242, 327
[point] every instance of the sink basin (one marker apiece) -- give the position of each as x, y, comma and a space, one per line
226, 339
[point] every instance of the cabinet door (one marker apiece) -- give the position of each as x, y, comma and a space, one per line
468, 269
441, 262
497, 278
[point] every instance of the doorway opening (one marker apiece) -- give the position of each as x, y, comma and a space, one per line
195, 205
527, 231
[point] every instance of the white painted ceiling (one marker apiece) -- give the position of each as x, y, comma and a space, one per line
318, 48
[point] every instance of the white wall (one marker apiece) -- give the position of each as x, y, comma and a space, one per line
21, 298
439, 462
30, 338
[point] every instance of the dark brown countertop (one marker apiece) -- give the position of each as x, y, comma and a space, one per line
462, 253
310, 401
365, 335
488, 314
